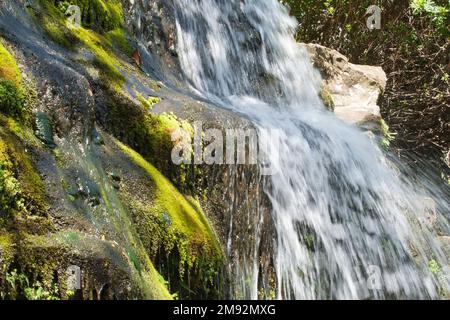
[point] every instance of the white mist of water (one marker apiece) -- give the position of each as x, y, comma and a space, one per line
338, 208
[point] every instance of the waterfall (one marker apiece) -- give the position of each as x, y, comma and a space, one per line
342, 214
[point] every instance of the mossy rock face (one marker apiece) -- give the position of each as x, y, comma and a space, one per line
104, 58
176, 210
44, 264
119, 40
176, 233
53, 21
149, 134
153, 135
102, 33
22, 189
99, 15
43, 230
6, 250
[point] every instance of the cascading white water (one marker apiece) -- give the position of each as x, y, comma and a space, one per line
338, 208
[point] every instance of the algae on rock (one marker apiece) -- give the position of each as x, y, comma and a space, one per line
11, 92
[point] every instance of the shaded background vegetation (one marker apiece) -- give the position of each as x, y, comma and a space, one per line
412, 46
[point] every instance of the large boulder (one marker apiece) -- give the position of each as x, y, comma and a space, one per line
351, 90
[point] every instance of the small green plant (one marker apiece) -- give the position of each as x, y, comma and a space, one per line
148, 103
63, 5
16, 280
386, 136
434, 267
327, 98
10, 192
446, 78
38, 292
438, 13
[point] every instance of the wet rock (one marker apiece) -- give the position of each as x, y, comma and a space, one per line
152, 24
69, 95
89, 190
353, 90
97, 138
62, 86
115, 177
44, 130
115, 180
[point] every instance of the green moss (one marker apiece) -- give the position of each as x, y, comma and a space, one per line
327, 98
148, 103
104, 58
188, 227
12, 99
6, 250
21, 131
99, 17
21, 187
54, 23
386, 135
118, 39
434, 267
10, 192
8, 67
12, 96
151, 283
149, 134
160, 130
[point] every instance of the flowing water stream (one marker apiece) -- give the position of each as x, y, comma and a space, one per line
342, 215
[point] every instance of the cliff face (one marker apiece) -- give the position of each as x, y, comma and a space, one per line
86, 180
74, 193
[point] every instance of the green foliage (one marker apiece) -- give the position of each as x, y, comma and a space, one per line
19, 282
38, 292
16, 280
63, 6
12, 96
386, 136
439, 14
327, 99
